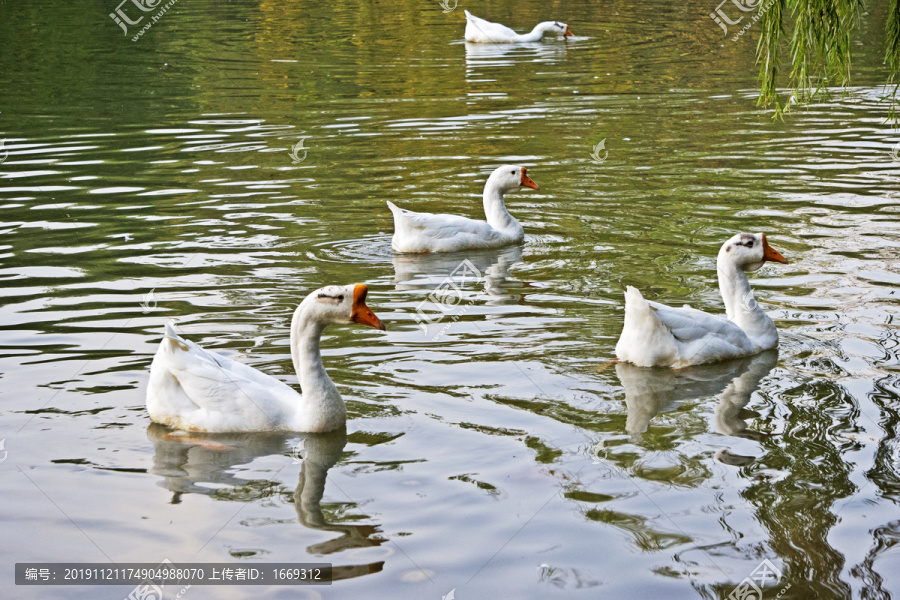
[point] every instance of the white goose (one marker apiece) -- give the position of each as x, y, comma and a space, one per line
481, 31
655, 335
196, 390
426, 232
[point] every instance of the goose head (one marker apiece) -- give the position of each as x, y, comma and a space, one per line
509, 178
555, 27
749, 251
341, 304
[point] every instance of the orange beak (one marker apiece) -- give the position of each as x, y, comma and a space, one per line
361, 313
568, 33
527, 182
770, 253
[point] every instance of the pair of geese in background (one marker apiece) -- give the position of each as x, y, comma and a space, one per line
192, 389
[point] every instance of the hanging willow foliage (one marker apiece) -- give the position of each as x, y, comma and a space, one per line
820, 45
892, 53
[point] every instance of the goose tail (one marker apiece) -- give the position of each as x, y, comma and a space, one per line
401, 227
399, 216
644, 336
170, 331
171, 339
396, 210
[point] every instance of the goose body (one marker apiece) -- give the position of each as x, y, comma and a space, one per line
196, 390
658, 335
480, 31
427, 232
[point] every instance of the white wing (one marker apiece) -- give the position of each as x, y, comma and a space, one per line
658, 335
702, 337
479, 30
689, 324
194, 389
442, 226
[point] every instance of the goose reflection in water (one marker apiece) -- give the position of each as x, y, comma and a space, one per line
649, 391
479, 56
188, 462
468, 270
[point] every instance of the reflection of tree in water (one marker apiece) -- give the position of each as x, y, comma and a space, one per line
798, 483
188, 462
795, 485
886, 538
885, 474
886, 471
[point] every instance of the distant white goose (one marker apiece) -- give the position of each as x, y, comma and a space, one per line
656, 335
195, 390
481, 31
426, 232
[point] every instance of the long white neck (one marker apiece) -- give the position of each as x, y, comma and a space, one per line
741, 306
537, 33
496, 214
321, 400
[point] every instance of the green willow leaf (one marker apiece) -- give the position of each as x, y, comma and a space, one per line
818, 33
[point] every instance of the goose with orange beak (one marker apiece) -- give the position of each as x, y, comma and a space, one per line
426, 232
484, 32
193, 389
656, 335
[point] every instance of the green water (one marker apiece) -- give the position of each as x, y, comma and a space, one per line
499, 453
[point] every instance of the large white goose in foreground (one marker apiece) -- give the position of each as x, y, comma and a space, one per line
656, 335
480, 31
426, 232
196, 390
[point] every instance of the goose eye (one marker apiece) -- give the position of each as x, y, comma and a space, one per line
512, 172
341, 297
